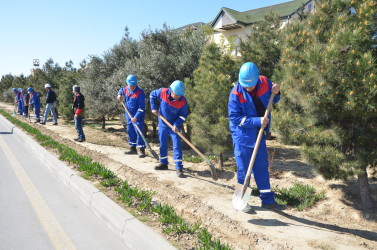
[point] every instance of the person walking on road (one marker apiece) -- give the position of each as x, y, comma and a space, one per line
78, 112
247, 105
174, 108
134, 99
36, 101
50, 105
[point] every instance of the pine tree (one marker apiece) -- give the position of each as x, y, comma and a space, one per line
208, 100
263, 45
329, 90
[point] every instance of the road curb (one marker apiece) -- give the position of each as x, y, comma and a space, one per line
135, 234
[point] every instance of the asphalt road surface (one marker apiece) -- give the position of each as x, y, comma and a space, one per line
37, 211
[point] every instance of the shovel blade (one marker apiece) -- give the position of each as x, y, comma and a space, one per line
240, 200
154, 154
14, 113
213, 172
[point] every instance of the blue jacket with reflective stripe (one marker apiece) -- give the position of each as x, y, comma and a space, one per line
243, 116
175, 111
35, 99
134, 101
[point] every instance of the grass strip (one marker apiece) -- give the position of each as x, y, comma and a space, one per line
130, 196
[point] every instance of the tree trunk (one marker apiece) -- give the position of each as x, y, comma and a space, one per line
154, 130
103, 122
221, 162
145, 129
366, 198
188, 132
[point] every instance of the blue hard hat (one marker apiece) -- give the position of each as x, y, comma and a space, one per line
178, 88
30, 89
131, 80
249, 75
14, 89
19, 89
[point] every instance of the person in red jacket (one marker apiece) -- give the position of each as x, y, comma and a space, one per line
78, 112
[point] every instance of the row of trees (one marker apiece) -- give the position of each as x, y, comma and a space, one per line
60, 78
325, 62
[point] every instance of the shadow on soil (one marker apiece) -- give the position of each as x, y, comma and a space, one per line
351, 193
369, 235
282, 161
190, 174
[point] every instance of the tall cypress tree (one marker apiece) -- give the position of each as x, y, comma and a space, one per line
208, 100
329, 99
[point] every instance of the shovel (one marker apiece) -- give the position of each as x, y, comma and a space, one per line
141, 134
211, 167
242, 192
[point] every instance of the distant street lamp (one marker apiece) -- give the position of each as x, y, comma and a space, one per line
36, 62
36, 65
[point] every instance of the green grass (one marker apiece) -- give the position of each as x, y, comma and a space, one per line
142, 199
197, 159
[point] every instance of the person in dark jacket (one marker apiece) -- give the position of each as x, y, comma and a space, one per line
78, 112
50, 105
26, 100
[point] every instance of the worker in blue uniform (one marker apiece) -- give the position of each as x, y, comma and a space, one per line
248, 101
174, 108
134, 99
36, 101
20, 101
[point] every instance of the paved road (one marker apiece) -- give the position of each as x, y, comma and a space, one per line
37, 211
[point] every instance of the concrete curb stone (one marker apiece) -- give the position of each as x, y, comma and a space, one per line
135, 234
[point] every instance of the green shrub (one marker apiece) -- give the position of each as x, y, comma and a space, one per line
299, 196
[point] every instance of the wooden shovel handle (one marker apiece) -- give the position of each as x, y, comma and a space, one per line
137, 127
255, 151
184, 138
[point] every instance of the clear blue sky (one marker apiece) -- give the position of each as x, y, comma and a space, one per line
74, 29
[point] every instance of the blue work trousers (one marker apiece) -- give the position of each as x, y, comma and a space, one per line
163, 134
37, 109
135, 138
78, 127
260, 169
50, 107
20, 107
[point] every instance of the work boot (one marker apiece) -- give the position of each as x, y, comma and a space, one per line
161, 167
76, 139
142, 153
81, 140
37, 121
132, 151
179, 173
248, 209
274, 206
43, 123
55, 123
